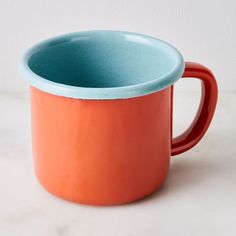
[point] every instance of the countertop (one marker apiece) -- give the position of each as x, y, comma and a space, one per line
198, 198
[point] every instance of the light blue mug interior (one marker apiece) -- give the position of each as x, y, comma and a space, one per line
102, 65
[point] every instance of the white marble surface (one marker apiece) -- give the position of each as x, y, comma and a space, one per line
199, 197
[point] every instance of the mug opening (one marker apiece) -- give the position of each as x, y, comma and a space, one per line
102, 60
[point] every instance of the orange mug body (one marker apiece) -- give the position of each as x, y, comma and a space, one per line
101, 151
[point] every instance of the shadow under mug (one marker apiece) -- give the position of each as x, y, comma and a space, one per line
101, 104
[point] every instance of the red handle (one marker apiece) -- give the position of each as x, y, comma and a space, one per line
205, 112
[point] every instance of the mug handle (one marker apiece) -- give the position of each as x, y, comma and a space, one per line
205, 112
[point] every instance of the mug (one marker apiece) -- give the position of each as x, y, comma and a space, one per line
101, 104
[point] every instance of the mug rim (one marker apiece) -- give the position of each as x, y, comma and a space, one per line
102, 93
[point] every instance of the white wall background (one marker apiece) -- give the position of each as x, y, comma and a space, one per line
203, 30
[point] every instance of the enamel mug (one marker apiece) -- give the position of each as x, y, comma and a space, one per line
101, 104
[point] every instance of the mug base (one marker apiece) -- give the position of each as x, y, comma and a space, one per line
101, 203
